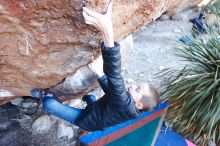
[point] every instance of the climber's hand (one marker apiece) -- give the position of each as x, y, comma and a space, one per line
97, 66
102, 22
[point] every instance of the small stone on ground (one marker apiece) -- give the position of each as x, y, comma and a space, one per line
42, 124
64, 131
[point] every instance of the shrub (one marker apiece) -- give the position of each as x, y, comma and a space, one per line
194, 91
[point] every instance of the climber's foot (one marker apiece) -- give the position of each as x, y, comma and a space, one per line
37, 93
40, 93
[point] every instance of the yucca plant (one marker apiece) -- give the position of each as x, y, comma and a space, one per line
194, 91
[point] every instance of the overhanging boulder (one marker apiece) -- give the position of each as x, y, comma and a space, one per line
44, 41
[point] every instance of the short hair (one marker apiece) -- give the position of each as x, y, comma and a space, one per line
151, 100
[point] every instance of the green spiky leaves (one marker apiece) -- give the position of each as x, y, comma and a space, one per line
194, 91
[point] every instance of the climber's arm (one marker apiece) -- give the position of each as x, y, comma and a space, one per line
104, 24
110, 53
97, 68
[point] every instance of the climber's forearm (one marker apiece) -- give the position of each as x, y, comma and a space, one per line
97, 66
108, 38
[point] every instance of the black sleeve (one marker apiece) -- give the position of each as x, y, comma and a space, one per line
103, 82
89, 99
112, 70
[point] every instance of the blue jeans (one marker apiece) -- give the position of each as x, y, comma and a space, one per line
54, 107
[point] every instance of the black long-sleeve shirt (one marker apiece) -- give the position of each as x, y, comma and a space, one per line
117, 105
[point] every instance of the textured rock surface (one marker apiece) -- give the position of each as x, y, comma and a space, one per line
16, 128
42, 124
83, 80
64, 131
44, 41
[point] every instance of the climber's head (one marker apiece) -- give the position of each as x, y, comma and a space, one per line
145, 96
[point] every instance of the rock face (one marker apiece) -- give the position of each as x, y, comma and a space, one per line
44, 41
64, 131
42, 124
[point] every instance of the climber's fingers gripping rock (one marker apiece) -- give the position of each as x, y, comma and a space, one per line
102, 22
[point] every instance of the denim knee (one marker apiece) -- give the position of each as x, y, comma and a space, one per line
54, 107
49, 104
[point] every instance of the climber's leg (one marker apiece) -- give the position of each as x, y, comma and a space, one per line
54, 107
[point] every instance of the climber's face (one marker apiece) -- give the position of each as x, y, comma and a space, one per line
137, 92
134, 91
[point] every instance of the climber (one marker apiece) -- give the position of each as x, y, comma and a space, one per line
117, 105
